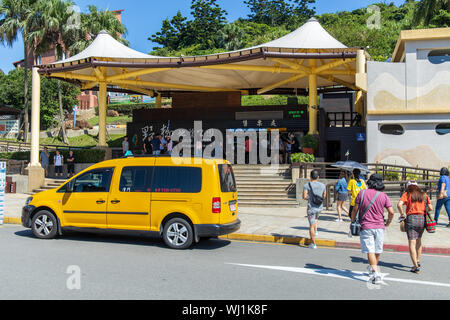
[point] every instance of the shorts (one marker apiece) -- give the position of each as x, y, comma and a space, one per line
313, 216
58, 169
372, 241
71, 168
342, 197
44, 165
415, 226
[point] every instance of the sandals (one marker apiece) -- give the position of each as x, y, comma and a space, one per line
415, 270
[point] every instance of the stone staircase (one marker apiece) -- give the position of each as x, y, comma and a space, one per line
49, 185
263, 186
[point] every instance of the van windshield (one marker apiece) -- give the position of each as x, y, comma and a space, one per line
227, 181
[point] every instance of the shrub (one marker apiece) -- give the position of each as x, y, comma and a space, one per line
127, 109
310, 141
302, 157
82, 156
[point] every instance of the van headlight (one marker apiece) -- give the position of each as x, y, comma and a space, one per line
28, 201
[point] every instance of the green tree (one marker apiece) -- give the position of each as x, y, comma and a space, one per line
426, 10
209, 19
231, 37
15, 18
48, 30
12, 94
91, 23
172, 32
280, 12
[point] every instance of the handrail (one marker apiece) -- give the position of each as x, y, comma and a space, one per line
22, 146
382, 168
429, 186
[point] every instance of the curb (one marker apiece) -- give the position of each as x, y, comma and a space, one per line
326, 243
7, 220
299, 241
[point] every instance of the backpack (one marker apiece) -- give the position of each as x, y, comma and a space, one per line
315, 199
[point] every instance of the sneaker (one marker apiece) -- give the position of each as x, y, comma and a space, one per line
376, 279
338, 220
317, 233
312, 246
448, 226
370, 271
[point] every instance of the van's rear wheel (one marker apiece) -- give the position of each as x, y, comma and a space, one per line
44, 225
178, 234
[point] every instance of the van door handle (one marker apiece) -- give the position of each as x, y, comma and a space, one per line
115, 201
100, 201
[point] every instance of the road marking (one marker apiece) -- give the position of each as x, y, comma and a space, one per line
342, 274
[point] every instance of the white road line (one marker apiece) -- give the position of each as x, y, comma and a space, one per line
342, 274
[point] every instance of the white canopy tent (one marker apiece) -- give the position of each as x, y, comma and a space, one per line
309, 57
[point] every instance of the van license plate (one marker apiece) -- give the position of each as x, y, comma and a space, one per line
233, 206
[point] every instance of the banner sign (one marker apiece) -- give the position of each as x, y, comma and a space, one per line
2, 190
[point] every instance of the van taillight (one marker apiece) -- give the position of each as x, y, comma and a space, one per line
217, 205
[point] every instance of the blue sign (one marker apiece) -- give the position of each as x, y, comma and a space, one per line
2, 190
360, 137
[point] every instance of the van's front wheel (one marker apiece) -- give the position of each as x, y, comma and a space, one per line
44, 225
178, 234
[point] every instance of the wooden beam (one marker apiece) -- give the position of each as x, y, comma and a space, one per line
143, 91
332, 65
294, 65
128, 75
150, 84
339, 81
240, 67
68, 75
280, 83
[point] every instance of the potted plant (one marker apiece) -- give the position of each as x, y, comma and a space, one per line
302, 157
309, 144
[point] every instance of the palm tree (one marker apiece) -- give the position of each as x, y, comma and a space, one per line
427, 9
92, 23
15, 20
47, 28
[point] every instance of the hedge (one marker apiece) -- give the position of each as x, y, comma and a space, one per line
127, 109
81, 156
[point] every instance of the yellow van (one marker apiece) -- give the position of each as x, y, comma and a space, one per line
157, 195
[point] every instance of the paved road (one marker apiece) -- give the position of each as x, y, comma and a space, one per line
120, 267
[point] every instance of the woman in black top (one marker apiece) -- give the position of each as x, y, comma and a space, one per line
70, 165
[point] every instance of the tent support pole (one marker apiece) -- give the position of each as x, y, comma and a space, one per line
36, 174
313, 108
102, 97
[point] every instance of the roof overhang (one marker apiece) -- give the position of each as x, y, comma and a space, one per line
417, 35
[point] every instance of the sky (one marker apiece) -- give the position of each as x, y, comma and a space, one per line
143, 18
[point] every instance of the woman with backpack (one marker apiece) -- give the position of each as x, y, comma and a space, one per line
416, 202
342, 195
355, 185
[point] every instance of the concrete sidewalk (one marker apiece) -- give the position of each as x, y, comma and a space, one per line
290, 225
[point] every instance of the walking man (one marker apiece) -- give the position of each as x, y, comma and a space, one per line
45, 160
314, 192
371, 204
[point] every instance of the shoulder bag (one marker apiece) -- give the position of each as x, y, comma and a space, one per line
355, 227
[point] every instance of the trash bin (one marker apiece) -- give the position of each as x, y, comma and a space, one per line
13, 188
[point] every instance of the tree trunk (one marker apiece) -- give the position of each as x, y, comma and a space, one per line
61, 115
25, 92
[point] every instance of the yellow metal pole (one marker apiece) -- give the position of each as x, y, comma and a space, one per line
159, 101
313, 108
102, 114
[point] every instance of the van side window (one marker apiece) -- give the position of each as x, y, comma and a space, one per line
136, 179
227, 180
94, 181
177, 180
